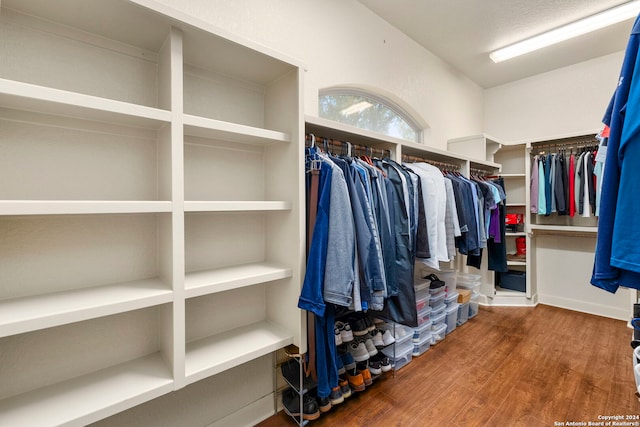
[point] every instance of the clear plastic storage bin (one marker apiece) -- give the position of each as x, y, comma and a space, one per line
451, 298
399, 359
437, 299
438, 320
422, 302
474, 306
422, 290
463, 313
452, 317
422, 346
438, 334
424, 315
421, 331
440, 308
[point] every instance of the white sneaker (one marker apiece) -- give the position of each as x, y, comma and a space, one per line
377, 339
387, 338
359, 351
371, 348
346, 334
338, 336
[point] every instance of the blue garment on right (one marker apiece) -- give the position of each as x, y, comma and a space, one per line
622, 151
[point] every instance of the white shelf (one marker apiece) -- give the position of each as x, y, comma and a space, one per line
91, 397
512, 175
518, 234
209, 356
44, 311
563, 228
224, 279
29, 97
67, 207
225, 131
513, 205
236, 206
517, 263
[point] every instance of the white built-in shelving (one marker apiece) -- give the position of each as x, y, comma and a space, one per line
150, 212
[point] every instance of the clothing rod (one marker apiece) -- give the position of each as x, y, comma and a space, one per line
320, 141
439, 165
482, 172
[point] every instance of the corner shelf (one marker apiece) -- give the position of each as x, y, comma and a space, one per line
212, 355
224, 279
26, 314
90, 397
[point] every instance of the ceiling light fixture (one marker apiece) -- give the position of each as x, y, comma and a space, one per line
566, 32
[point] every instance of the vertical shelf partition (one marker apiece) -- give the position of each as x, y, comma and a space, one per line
152, 235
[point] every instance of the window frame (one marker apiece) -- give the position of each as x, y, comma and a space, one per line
393, 106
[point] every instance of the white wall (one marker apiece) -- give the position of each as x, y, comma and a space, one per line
343, 43
564, 102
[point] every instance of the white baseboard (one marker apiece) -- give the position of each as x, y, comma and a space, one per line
249, 415
585, 307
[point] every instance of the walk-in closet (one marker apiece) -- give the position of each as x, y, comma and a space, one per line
358, 212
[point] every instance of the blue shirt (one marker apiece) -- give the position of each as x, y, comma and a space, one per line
612, 267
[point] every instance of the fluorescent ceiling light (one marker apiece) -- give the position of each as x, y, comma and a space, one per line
574, 29
355, 108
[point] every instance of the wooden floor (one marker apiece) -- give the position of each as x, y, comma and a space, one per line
506, 367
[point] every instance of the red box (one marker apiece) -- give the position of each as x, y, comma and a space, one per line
511, 219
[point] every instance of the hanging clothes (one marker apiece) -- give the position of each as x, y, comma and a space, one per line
617, 257
534, 185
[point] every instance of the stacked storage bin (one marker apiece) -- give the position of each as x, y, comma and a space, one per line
401, 351
438, 315
471, 283
451, 311
422, 334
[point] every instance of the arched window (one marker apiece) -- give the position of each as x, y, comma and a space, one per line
366, 110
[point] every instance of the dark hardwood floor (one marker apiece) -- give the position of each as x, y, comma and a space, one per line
507, 367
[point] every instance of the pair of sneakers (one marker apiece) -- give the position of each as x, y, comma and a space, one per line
382, 338
291, 403
362, 325
362, 349
343, 332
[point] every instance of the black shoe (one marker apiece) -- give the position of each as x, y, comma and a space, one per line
324, 403
291, 403
359, 326
435, 281
336, 396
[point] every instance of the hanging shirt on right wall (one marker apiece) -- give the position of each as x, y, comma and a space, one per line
617, 257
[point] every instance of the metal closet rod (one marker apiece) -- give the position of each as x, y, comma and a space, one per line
344, 145
567, 145
482, 172
439, 165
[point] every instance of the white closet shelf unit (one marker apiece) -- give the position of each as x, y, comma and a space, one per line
398, 147
151, 221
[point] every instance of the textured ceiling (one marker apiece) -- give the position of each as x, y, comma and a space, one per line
464, 32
